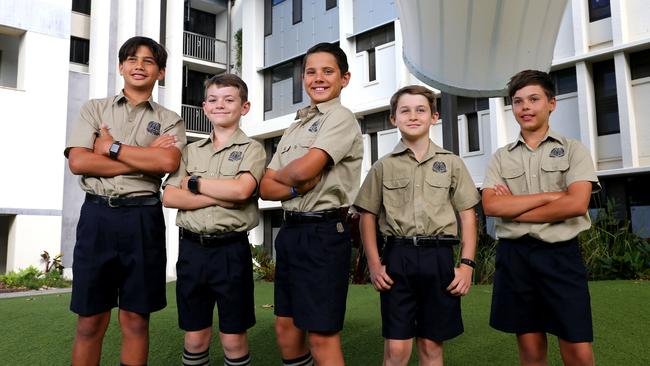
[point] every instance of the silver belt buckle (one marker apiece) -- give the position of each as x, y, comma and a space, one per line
110, 202
415, 241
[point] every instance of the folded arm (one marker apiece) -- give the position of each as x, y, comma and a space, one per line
572, 204
174, 197
500, 202
273, 190
305, 168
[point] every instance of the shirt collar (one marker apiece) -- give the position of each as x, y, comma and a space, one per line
549, 134
120, 98
237, 138
431, 151
305, 114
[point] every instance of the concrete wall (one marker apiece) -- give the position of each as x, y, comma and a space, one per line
369, 14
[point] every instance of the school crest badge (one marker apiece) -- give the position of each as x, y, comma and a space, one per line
439, 167
314, 127
154, 128
557, 152
235, 156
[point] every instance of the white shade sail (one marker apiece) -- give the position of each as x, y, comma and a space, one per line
473, 47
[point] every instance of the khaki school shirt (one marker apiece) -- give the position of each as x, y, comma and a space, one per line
552, 167
418, 198
332, 128
240, 154
135, 126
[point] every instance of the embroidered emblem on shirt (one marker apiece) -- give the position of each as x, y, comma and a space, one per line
439, 167
313, 127
154, 128
235, 155
557, 152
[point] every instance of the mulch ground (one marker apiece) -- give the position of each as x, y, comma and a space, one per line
4, 288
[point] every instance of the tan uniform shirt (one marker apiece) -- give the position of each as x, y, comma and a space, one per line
135, 126
332, 128
418, 198
240, 154
552, 167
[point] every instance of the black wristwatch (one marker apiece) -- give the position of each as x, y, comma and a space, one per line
114, 150
193, 184
468, 262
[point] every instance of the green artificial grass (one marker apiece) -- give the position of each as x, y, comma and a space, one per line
39, 330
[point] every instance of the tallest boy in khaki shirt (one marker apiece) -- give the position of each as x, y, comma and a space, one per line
539, 187
122, 146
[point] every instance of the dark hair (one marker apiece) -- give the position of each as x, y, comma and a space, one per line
532, 77
331, 48
228, 80
130, 47
413, 90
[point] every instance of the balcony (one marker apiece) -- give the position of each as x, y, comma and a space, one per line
195, 119
204, 48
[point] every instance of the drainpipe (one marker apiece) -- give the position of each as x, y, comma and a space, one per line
229, 35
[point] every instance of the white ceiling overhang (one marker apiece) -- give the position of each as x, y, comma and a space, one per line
473, 47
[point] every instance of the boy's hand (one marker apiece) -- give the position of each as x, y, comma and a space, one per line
103, 141
462, 281
309, 185
164, 141
502, 190
379, 278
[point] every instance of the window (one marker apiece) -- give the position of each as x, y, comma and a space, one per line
81, 6
369, 40
370, 125
10, 40
79, 50
288, 70
276, 2
200, 22
268, 17
270, 147
565, 81
329, 4
599, 9
473, 133
469, 107
193, 91
640, 64
297, 11
606, 100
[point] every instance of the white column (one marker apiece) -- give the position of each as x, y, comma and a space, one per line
619, 22
126, 19
402, 74
580, 14
174, 45
151, 27
100, 18
587, 108
626, 115
252, 60
498, 128
346, 26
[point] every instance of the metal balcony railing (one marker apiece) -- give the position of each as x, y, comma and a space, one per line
195, 119
204, 47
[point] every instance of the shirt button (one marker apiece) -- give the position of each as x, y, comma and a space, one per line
417, 185
534, 175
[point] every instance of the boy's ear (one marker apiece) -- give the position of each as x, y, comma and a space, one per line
161, 74
392, 120
345, 79
552, 103
434, 117
245, 107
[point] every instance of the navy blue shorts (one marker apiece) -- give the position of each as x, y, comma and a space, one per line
222, 274
541, 287
312, 273
119, 259
418, 303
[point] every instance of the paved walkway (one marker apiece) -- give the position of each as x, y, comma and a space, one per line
7, 295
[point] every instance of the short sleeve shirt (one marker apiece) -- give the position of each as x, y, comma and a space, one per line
239, 155
136, 125
332, 128
418, 198
552, 167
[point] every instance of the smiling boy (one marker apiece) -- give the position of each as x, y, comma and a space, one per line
538, 188
315, 173
122, 146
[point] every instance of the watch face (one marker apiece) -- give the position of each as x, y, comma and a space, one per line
114, 149
193, 184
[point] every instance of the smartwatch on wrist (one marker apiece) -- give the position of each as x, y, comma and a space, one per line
468, 262
294, 192
114, 150
193, 184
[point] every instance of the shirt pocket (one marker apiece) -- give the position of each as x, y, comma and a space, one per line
397, 192
198, 170
293, 151
553, 177
437, 188
229, 168
515, 179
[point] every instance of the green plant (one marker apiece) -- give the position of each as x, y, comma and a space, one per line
27, 278
238, 45
612, 251
486, 249
263, 264
52, 262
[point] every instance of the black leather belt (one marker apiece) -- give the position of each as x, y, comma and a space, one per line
309, 217
114, 201
212, 240
422, 241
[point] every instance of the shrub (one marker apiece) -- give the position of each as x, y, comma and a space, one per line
263, 264
612, 251
27, 278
